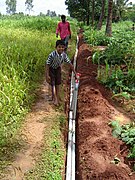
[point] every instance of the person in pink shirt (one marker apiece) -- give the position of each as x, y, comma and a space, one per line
63, 29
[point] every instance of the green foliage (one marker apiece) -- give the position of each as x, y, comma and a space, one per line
96, 38
116, 128
120, 82
116, 63
120, 7
127, 134
129, 14
126, 52
81, 10
126, 95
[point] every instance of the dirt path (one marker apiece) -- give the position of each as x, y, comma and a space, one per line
33, 133
96, 148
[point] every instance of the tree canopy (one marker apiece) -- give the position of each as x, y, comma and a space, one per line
29, 5
87, 10
11, 6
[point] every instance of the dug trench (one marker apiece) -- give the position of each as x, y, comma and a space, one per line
96, 148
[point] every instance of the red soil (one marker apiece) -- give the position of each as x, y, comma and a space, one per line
96, 147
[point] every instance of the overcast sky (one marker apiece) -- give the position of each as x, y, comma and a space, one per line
40, 6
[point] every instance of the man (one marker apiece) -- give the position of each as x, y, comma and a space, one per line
63, 29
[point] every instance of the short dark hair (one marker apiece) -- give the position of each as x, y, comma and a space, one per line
60, 42
63, 17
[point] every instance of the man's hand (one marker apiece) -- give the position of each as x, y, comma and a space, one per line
56, 35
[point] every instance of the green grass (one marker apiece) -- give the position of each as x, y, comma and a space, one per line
22, 62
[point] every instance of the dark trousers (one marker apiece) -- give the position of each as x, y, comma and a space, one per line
55, 75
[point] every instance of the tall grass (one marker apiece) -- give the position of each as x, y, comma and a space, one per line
25, 43
29, 22
24, 46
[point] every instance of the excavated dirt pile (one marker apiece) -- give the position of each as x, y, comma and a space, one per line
96, 147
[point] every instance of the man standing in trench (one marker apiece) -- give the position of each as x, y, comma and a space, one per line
63, 28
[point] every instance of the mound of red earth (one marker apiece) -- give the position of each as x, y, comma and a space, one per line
96, 148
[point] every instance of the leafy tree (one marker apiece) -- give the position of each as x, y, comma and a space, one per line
29, 5
11, 6
79, 9
84, 10
75, 9
89, 11
51, 13
130, 13
119, 7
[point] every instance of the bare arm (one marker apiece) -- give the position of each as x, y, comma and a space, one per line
58, 30
47, 74
72, 68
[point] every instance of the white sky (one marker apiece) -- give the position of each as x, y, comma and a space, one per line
39, 6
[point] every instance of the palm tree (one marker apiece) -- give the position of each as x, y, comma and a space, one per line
119, 7
99, 26
108, 31
93, 12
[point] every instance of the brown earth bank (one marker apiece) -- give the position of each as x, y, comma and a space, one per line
96, 148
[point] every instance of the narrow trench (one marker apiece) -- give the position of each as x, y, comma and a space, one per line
67, 84
67, 109
76, 150
77, 175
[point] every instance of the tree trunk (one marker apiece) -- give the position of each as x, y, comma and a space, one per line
88, 20
109, 19
88, 13
99, 26
93, 12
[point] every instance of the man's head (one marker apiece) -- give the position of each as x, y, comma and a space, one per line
63, 18
60, 46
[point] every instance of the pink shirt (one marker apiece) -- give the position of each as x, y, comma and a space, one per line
63, 29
